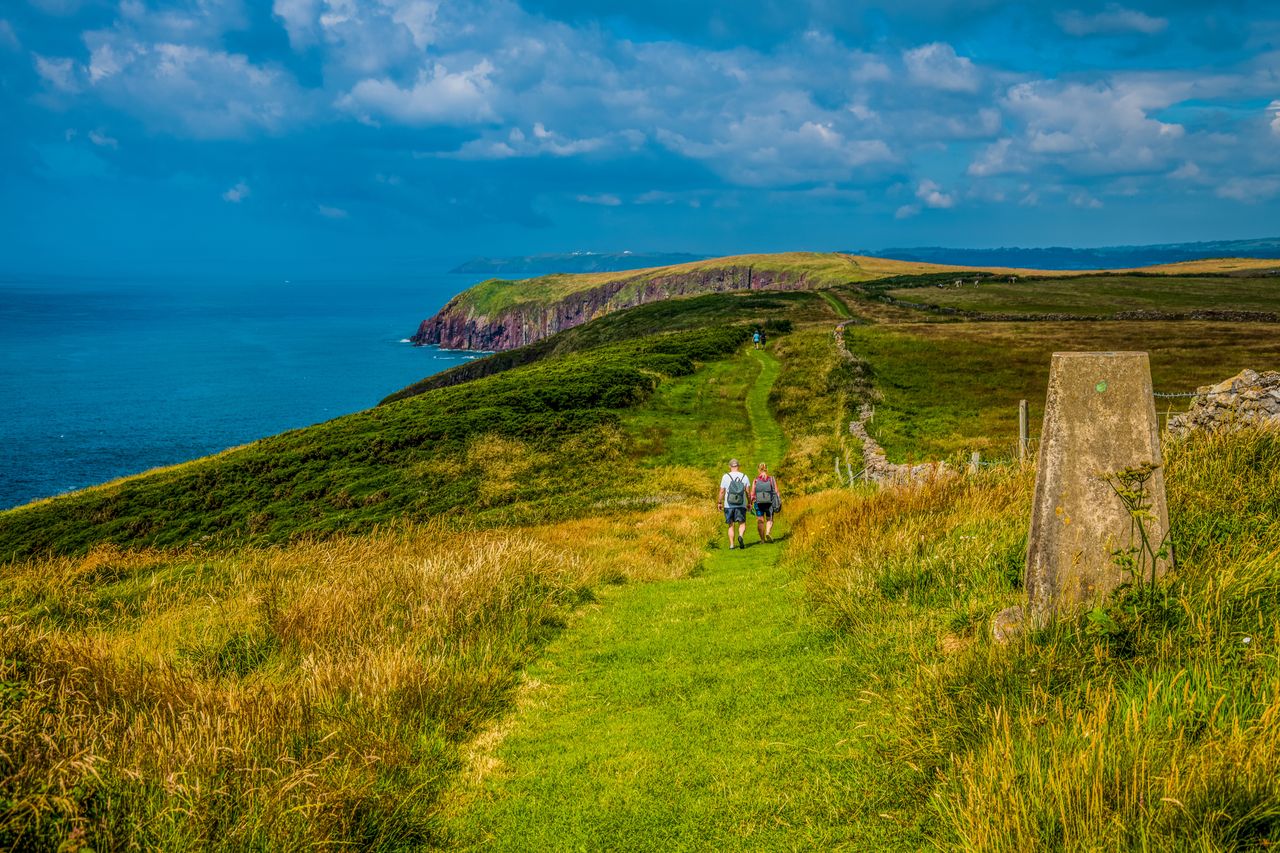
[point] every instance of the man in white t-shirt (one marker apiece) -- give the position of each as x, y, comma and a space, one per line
735, 492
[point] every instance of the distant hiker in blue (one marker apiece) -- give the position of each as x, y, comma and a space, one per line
767, 500
735, 489
756, 339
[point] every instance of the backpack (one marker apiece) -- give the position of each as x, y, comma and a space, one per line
736, 494
764, 490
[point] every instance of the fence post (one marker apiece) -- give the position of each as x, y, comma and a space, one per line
1023, 438
839, 476
975, 462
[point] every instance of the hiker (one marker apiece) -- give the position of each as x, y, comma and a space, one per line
766, 500
762, 339
756, 338
735, 489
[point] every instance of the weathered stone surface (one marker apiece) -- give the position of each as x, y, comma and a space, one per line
1099, 419
1246, 399
1007, 624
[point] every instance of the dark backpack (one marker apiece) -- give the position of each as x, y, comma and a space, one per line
765, 492
736, 494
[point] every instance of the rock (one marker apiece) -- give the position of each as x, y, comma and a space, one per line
1007, 625
1247, 399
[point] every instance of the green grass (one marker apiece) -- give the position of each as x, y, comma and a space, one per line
706, 713
837, 305
951, 388
1101, 295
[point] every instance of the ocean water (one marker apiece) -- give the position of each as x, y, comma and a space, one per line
100, 378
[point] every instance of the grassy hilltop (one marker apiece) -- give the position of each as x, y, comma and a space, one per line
495, 612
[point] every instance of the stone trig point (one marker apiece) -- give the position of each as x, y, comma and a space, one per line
1099, 419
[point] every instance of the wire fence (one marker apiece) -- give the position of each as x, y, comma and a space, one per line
1018, 452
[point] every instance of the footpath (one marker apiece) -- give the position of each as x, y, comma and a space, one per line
707, 713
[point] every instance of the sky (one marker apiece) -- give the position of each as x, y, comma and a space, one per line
384, 135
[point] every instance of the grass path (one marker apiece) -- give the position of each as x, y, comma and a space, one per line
837, 305
705, 713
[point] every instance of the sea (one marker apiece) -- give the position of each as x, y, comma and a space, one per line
104, 377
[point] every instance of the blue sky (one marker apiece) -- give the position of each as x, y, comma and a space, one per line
379, 135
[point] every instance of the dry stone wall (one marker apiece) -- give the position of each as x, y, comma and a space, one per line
877, 467
1247, 399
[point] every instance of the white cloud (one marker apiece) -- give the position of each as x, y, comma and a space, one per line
237, 194
1274, 109
604, 199
1114, 19
1101, 128
1080, 198
59, 72
331, 212
1250, 190
906, 211
1188, 171
189, 89
300, 18
937, 65
418, 17
761, 150
365, 38
995, 159
932, 195
101, 140
438, 96
542, 142
8, 38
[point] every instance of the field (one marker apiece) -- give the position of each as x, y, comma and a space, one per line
951, 388
497, 611
1101, 295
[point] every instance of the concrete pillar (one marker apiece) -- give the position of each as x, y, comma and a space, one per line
1099, 418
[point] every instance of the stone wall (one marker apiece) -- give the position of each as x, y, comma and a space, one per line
1246, 399
876, 465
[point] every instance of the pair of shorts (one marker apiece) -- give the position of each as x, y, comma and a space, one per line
735, 513
765, 511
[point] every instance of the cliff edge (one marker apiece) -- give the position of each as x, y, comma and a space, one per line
502, 315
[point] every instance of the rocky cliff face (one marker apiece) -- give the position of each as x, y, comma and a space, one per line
456, 326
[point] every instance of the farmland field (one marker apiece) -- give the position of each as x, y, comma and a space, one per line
1101, 295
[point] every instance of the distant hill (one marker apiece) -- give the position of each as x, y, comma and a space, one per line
1106, 257
575, 262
